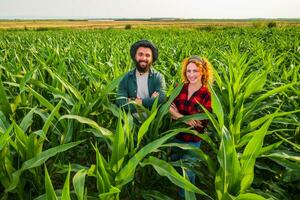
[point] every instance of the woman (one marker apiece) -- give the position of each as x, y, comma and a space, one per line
196, 75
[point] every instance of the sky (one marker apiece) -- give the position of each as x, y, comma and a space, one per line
202, 9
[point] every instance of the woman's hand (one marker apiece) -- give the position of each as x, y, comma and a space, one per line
194, 123
175, 114
173, 106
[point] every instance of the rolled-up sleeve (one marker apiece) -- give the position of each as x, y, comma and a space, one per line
123, 95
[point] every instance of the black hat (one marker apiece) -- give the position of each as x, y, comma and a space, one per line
144, 43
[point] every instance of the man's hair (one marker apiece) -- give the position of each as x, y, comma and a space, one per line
146, 44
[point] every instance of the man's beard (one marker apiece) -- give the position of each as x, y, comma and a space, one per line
142, 69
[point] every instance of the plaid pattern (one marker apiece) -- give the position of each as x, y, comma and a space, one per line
190, 107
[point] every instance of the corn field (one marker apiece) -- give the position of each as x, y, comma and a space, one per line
63, 137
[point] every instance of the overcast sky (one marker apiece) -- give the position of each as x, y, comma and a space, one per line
237, 9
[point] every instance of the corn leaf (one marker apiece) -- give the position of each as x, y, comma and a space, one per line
165, 169
66, 189
39, 160
84, 120
144, 127
4, 104
50, 192
126, 174
248, 196
250, 154
118, 150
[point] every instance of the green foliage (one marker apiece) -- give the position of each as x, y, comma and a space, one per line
57, 91
4, 104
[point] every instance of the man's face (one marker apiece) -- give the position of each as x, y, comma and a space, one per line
143, 59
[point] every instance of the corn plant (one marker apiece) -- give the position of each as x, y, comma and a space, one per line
236, 173
57, 88
128, 152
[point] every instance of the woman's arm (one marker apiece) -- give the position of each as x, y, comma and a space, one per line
175, 114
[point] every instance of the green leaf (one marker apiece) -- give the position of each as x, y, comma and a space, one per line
275, 91
4, 138
21, 141
165, 169
84, 120
78, 183
287, 159
293, 156
249, 196
217, 107
270, 147
199, 116
118, 150
66, 84
66, 189
4, 124
154, 194
126, 174
50, 192
164, 109
51, 117
197, 153
25, 79
256, 83
104, 181
41, 99
38, 160
27, 120
248, 111
112, 194
111, 86
256, 123
228, 176
188, 194
250, 154
4, 104
144, 127
297, 146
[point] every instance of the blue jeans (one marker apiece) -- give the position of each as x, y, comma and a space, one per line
180, 154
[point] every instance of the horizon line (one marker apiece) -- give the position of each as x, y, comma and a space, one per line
145, 18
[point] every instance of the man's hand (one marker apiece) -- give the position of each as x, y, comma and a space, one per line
138, 101
155, 94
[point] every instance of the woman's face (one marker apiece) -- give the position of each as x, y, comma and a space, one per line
193, 73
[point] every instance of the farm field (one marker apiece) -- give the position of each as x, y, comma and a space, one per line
62, 136
137, 24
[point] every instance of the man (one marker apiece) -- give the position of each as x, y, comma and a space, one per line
142, 84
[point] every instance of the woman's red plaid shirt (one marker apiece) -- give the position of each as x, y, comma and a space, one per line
191, 106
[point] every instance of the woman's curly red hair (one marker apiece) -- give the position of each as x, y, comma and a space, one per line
203, 64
